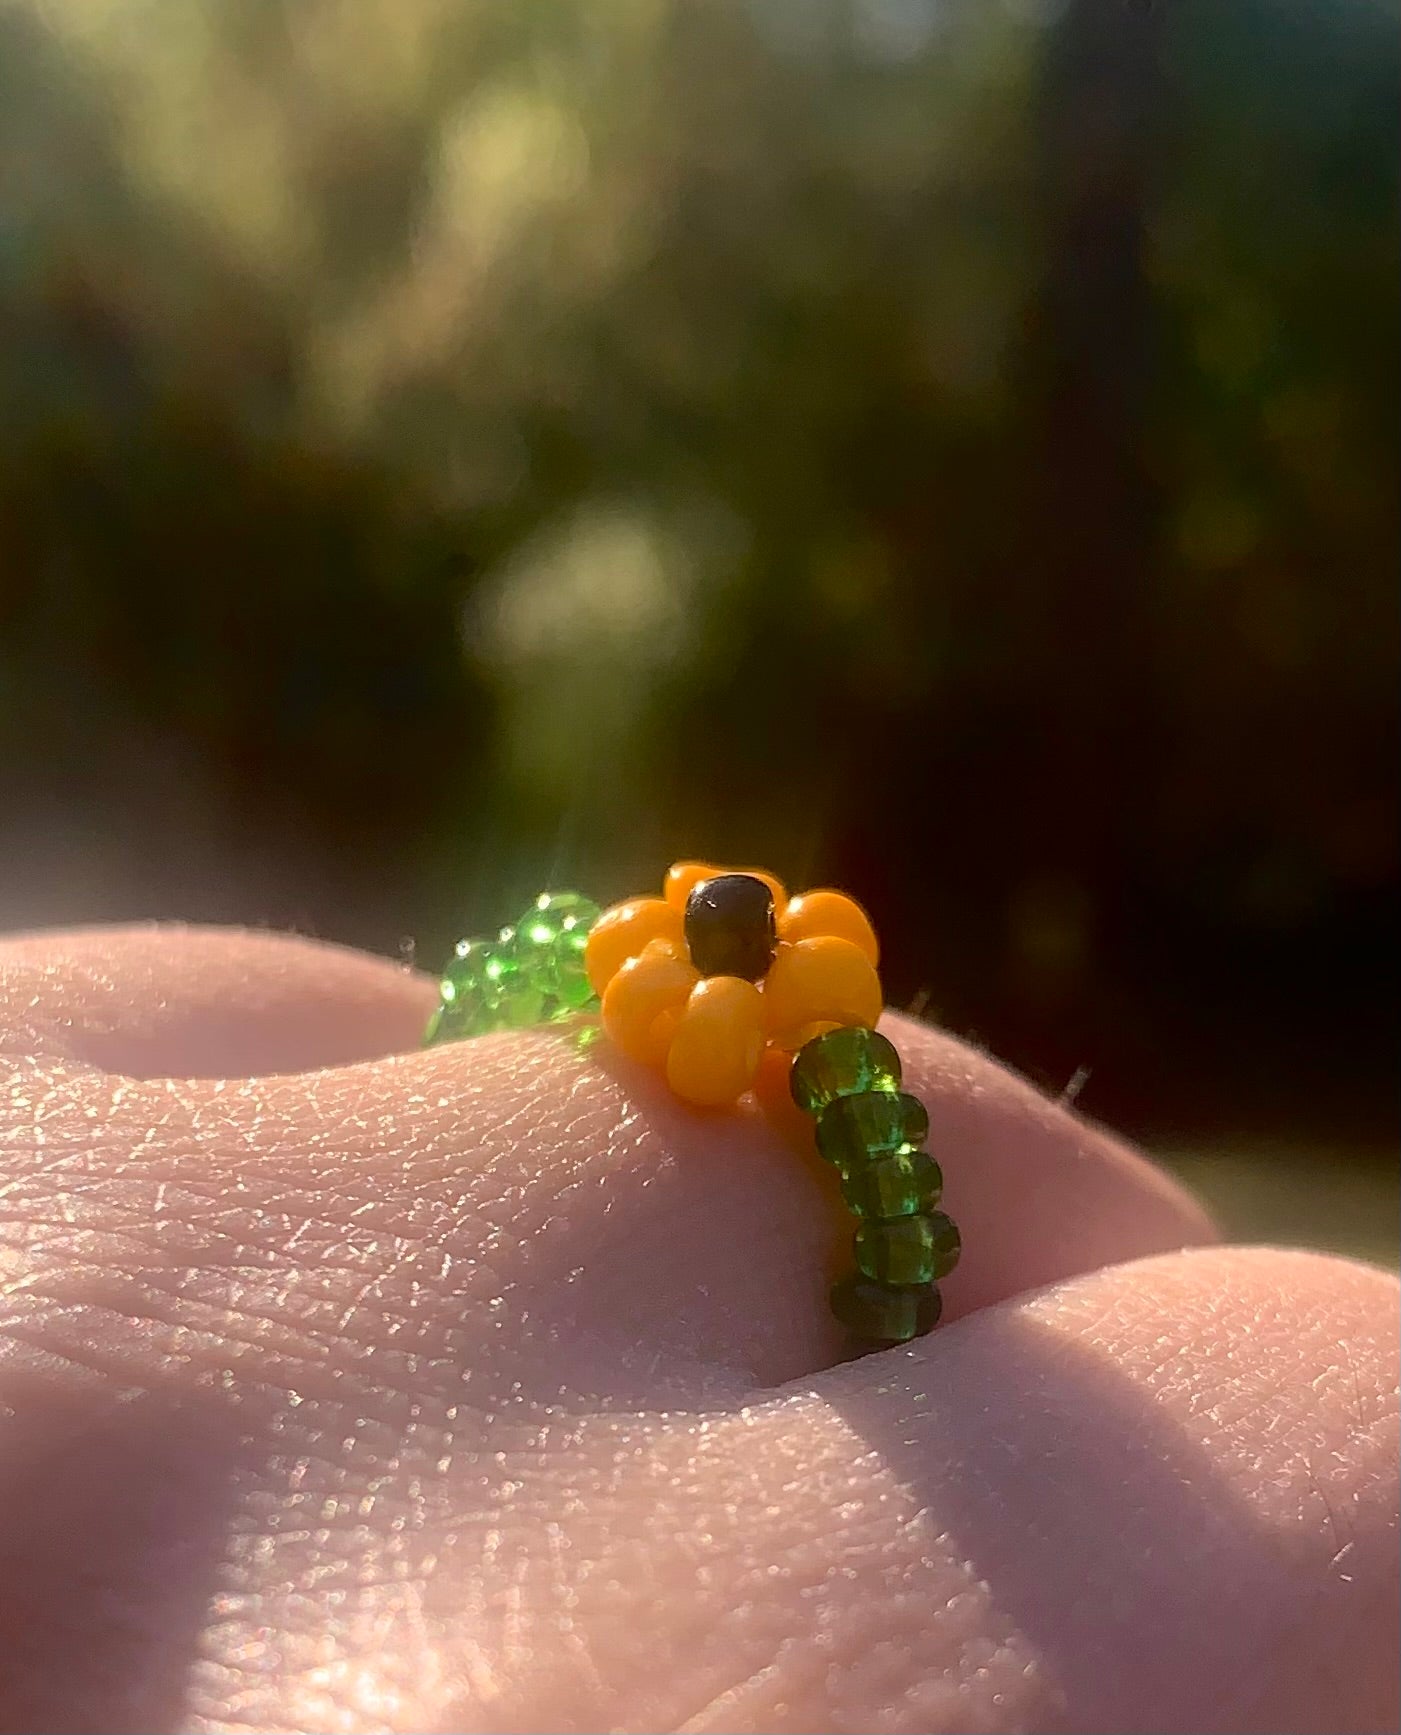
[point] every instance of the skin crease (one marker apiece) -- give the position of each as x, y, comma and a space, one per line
345, 1387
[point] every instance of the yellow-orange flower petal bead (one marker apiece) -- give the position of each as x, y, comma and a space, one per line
813, 915
820, 979
773, 1091
623, 932
717, 1042
643, 1002
682, 879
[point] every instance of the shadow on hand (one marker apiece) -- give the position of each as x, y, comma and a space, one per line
1152, 1591
113, 1529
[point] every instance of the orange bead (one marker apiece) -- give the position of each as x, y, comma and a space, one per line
775, 1097
717, 1043
643, 1001
821, 979
623, 931
788, 1042
813, 915
683, 877
788, 1122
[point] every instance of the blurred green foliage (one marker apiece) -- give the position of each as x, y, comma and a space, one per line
943, 446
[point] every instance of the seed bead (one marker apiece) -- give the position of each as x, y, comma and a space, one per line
642, 1003
844, 1061
682, 879
828, 979
853, 1129
883, 1313
897, 1249
716, 1043
813, 915
729, 926
623, 932
895, 1185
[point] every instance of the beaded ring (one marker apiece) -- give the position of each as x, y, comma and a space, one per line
728, 987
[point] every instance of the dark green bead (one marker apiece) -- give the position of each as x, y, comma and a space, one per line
912, 1249
730, 928
947, 1243
895, 1185
853, 1129
844, 1062
886, 1313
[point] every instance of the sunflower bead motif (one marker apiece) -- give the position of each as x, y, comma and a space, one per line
726, 986
700, 982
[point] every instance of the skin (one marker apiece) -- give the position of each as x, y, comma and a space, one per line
345, 1387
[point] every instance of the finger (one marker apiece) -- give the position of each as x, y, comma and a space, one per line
1039, 1192
617, 1236
692, 1239
170, 1001
1158, 1497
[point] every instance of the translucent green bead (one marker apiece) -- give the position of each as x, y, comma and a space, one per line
549, 941
554, 914
896, 1185
567, 975
464, 993
913, 1249
844, 1062
853, 1129
948, 1243
886, 1313
515, 995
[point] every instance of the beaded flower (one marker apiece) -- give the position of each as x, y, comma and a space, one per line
723, 968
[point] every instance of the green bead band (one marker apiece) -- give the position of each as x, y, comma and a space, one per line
532, 973
872, 1132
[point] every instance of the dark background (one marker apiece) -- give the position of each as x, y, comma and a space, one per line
942, 447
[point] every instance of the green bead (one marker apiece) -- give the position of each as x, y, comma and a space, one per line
948, 1243
552, 915
463, 970
567, 976
911, 1249
853, 1129
549, 940
466, 999
886, 1313
895, 1185
517, 999
844, 1062
531, 972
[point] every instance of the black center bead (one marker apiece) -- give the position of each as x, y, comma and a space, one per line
730, 926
